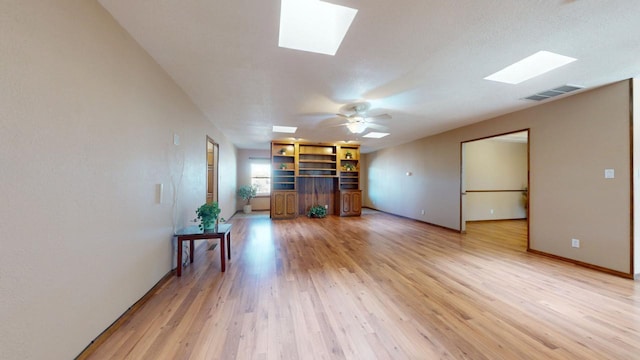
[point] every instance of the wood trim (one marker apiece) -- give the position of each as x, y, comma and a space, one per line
408, 218
461, 192
528, 212
496, 135
126, 316
631, 207
488, 191
493, 220
583, 264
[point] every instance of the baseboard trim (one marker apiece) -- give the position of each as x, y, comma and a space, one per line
583, 264
493, 220
100, 339
408, 218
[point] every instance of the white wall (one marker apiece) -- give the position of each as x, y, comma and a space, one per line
492, 164
86, 127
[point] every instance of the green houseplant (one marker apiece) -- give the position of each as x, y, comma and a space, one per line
247, 192
317, 211
208, 215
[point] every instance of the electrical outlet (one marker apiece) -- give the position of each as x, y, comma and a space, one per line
491, 211
326, 206
422, 212
575, 243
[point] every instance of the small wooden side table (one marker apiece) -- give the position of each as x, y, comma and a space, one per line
193, 232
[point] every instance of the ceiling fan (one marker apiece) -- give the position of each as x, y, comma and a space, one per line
358, 120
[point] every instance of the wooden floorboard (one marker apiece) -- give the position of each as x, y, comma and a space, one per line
382, 287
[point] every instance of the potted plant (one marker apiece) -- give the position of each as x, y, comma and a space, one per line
349, 167
348, 155
247, 192
282, 151
317, 211
208, 215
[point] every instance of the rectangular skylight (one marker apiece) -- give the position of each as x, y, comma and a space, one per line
375, 135
313, 25
284, 129
530, 67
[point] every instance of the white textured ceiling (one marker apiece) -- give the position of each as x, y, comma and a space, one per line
421, 61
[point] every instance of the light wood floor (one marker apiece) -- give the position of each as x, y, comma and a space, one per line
382, 287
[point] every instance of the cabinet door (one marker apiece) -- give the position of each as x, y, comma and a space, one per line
356, 203
278, 204
291, 204
346, 203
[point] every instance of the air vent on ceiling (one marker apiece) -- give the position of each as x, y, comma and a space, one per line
544, 95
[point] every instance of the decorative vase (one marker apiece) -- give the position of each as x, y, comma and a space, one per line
247, 209
210, 226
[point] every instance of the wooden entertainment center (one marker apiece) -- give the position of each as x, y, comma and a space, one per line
308, 174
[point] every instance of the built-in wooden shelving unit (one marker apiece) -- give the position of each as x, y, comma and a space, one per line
307, 174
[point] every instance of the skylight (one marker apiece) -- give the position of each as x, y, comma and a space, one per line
313, 25
375, 135
284, 129
530, 67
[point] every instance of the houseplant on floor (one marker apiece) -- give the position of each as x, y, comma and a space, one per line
247, 192
317, 211
208, 215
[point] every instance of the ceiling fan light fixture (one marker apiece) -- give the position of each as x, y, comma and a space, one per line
356, 127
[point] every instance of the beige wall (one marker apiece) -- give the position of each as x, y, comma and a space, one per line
86, 132
244, 177
492, 164
572, 141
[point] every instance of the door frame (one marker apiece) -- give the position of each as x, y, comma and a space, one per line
212, 161
463, 185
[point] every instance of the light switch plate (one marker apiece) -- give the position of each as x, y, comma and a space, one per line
609, 173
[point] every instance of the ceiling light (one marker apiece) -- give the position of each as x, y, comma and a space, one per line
312, 25
376, 135
356, 127
284, 129
530, 67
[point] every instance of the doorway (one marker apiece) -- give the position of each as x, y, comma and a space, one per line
213, 158
494, 179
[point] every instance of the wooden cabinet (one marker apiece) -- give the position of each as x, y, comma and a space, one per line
284, 204
283, 166
308, 174
350, 202
284, 199
349, 168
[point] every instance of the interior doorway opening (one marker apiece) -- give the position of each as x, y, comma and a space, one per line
495, 179
213, 158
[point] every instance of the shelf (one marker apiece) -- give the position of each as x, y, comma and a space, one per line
316, 168
317, 161
317, 176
